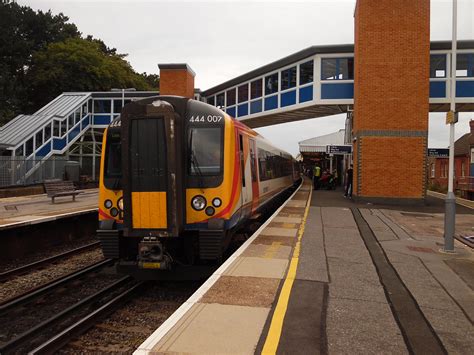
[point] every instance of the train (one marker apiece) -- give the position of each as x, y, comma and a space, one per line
178, 177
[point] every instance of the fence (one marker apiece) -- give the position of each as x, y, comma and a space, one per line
23, 171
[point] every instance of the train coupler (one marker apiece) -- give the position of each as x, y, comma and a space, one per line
151, 255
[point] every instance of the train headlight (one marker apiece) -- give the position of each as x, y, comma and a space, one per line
120, 204
217, 202
210, 211
108, 204
198, 203
114, 212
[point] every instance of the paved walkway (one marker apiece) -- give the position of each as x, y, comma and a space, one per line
24, 209
334, 277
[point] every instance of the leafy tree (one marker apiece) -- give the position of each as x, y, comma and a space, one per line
78, 65
23, 32
153, 80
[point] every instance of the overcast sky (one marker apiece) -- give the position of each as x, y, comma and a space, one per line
223, 39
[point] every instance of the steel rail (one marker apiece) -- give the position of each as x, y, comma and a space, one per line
42, 289
25, 268
61, 339
37, 329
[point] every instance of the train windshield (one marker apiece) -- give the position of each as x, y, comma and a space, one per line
113, 161
205, 151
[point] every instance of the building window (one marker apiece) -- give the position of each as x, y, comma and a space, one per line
85, 109
438, 66
56, 128
230, 97
211, 101
465, 65
102, 106
432, 170
337, 69
29, 147
256, 89
271, 84
472, 155
117, 106
288, 78
243, 93
63, 127
47, 132
444, 170
306, 72
462, 169
220, 100
71, 120
39, 139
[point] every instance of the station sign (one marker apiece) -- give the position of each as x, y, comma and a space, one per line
339, 149
438, 152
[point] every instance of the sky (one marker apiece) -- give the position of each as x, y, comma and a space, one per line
223, 39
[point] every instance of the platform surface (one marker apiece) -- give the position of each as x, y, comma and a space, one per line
17, 211
327, 275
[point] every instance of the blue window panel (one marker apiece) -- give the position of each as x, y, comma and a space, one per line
464, 88
243, 110
306, 94
288, 98
231, 111
337, 91
59, 144
101, 119
271, 102
44, 150
256, 106
85, 122
437, 89
73, 134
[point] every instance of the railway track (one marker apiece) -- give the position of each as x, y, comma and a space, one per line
33, 318
37, 265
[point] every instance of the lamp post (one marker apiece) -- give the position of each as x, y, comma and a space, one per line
123, 93
450, 202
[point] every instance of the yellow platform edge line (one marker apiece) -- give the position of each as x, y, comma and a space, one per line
276, 324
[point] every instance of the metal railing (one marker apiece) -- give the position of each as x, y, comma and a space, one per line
19, 170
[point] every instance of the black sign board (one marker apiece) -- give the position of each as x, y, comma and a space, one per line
339, 149
438, 152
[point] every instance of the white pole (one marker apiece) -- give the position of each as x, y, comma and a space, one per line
450, 203
123, 98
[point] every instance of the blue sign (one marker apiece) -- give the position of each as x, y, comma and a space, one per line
339, 149
438, 152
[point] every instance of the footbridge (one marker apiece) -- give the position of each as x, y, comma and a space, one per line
319, 81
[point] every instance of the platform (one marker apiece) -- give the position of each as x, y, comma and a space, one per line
25, 210
326, 275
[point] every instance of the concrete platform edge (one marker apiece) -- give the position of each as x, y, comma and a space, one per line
147, 346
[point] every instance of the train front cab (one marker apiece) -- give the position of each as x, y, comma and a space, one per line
176, 193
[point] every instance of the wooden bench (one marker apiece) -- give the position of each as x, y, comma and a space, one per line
58, 188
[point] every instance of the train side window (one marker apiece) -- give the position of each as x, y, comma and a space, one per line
242, 163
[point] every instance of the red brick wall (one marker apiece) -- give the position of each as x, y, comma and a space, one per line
391, 93
177, 82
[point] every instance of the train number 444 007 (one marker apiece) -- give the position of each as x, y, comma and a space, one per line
205, 119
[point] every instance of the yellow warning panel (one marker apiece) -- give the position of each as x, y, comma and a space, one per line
149, 210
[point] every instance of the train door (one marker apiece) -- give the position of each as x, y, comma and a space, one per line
245, 168
254, 172
148, 173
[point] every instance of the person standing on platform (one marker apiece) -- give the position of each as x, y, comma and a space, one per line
316, 176
349, 176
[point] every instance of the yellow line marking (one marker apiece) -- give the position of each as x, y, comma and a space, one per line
276, 325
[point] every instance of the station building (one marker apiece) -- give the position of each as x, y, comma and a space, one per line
463, 167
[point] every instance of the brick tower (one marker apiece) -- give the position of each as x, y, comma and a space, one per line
391, 93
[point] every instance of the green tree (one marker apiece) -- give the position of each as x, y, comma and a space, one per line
23, 32
153, 80
78, 65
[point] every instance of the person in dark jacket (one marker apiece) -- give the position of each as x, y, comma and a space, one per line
349, 177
